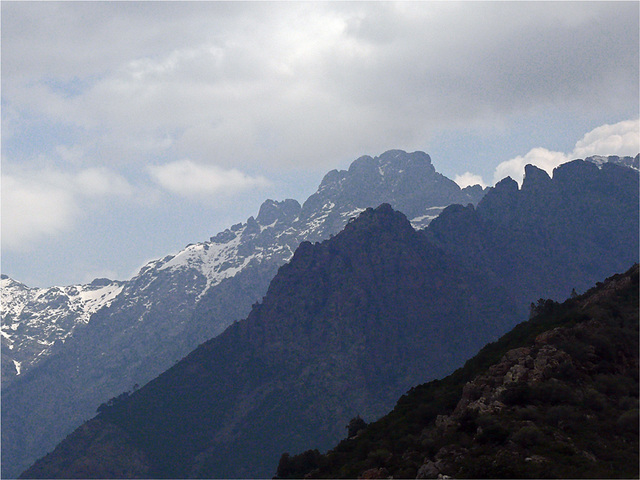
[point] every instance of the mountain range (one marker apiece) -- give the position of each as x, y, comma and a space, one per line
351, 323
177, 302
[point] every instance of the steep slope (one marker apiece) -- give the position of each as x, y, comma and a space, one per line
177, 302
557, 397
35, 321
345, 327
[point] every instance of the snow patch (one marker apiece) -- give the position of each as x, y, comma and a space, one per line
215, 261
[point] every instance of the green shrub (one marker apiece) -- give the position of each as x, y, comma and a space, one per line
554, 392
294, 467
628, 422
528, 436
615, 385
561, 414
494, 433
379, 457
528, 412
628, 403
516, 394
468, 421
594, 400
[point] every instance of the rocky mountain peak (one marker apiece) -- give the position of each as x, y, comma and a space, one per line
408, 181
392, 162
499, 199
285, 211
101, 282
381, 218
401, 161
576, 172
627, 161
363, 164
507, 184
534, 178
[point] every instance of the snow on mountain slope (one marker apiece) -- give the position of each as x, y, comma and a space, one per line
630, 162
34, 319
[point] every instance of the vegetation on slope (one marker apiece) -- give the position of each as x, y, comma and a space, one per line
557, 397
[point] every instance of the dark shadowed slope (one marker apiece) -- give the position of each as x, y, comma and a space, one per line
552, 235
557, 397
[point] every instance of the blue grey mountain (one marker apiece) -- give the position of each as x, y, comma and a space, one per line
84, 352
351, 322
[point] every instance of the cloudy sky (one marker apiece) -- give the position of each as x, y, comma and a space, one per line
130, 129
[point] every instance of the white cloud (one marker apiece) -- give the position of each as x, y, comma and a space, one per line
190, 179
31, 210
47, 203
622, 138
284, 89
540, 157
467, 179
96, 182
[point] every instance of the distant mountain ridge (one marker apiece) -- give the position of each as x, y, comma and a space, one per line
179, 301
395, 177
37, 320
356, 317
626, 161
513, 231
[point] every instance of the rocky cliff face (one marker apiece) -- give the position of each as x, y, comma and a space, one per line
177, 302
555, 398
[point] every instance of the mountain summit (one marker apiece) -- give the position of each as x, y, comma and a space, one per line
397, 178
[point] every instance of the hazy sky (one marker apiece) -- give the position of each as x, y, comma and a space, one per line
130, 129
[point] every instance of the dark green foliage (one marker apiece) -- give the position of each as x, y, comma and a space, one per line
517, 394
628, 422
560, 426
528, 436
295, 467
355, 425
492, 431
553, 392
